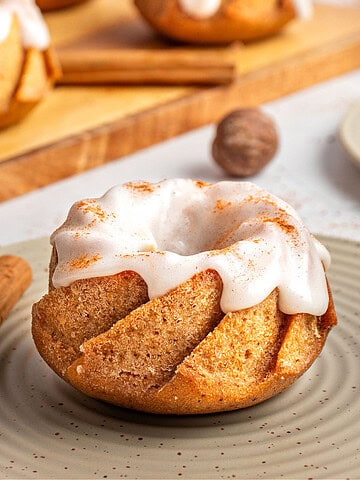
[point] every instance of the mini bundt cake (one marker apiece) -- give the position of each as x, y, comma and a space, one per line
220, 21
184, 297
28, 65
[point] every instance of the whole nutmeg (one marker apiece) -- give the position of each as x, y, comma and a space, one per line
246, 140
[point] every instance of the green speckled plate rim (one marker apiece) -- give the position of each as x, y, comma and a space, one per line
50, 431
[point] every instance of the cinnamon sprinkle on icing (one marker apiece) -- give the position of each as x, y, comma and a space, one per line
176, 228
221, 205
285, 226
90, 206
84, 261
145, 187
201, 184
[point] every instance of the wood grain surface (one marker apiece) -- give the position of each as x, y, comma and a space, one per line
79, 127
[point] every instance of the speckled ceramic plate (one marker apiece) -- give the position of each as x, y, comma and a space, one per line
48, 430
349, 133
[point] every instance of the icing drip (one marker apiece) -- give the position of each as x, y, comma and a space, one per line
304, 8
200, 9
33, 29
171, 230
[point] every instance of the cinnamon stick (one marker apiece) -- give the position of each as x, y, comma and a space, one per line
149, 66
15, 278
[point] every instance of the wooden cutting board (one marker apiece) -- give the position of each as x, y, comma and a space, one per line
76, 128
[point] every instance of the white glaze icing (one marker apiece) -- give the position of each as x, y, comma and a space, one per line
33, 29
304, 8
171, 230
200, 9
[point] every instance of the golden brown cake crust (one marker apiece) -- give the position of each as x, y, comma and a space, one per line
67, 317
236, 20
176, 354
55, 4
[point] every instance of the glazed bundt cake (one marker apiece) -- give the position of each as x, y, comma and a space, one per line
28, 65
220, 21
184, 297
